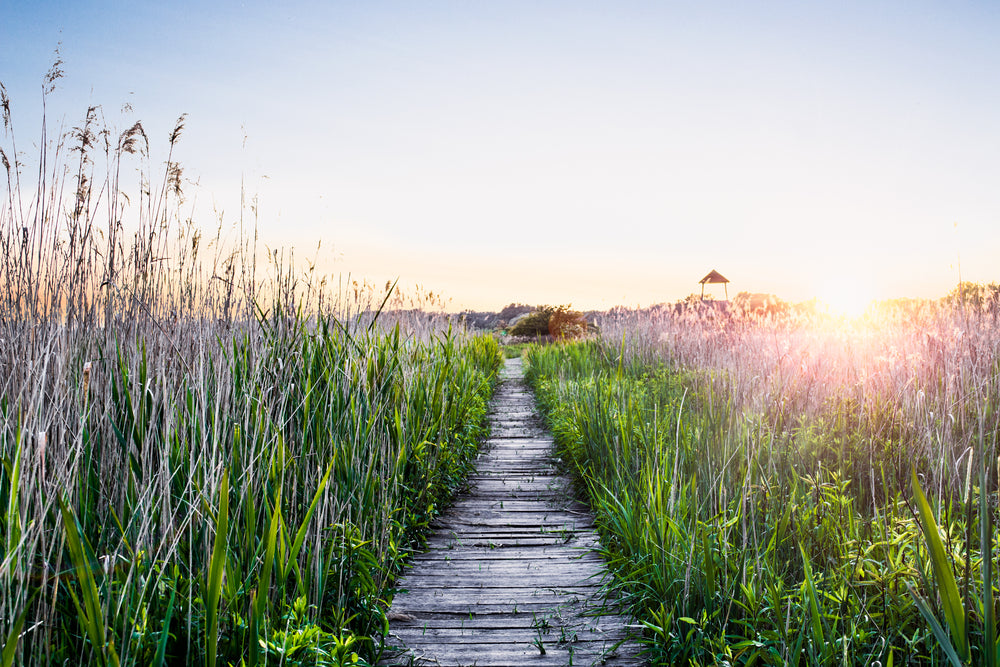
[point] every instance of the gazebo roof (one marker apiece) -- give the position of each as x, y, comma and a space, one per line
714, 277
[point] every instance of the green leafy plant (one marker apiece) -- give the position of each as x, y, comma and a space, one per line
206, 465
760, 536
534, 324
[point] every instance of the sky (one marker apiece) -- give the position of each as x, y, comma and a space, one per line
560, 152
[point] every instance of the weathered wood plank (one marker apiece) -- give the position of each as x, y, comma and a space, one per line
517, 505
523, 615
510, 569
550, 576
506, 655
516, 523
495, 538
607, 624
494, 552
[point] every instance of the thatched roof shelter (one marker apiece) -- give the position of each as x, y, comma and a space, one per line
714, 277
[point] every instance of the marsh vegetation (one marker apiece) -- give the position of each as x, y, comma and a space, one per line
792, 490
207, 456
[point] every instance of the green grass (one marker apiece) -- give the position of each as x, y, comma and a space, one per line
739, 533
199, 511
515, 350
206, 455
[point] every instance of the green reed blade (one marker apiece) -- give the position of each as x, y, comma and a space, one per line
90, 614
216, 570
939, 632
161, 646
13, 512
816, 619
264, 583
300, 536
954, 611
10, 646
986, 553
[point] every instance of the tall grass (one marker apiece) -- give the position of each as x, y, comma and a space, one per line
754, 481
206, 456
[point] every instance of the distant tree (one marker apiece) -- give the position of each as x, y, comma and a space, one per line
510, 311
567, 323
534, 324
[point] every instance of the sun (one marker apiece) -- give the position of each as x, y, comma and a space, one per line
846, 296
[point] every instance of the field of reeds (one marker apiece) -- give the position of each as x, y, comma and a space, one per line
206, 456
800, 490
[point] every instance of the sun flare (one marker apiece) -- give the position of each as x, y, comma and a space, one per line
846, 296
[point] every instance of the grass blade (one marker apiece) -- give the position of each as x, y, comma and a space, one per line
91, 616
10, 646
13, 521
161, 647
264, 583
300, 536
816, 621
216, 570
939, 632
986, 551
954, 612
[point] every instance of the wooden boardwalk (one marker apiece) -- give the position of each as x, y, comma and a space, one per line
509, 577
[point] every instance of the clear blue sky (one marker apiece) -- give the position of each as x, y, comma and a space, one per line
593, 153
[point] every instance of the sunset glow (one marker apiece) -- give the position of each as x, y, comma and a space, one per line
848, 297
595, 154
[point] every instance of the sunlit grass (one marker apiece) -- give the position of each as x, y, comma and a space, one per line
207, 456
753, 479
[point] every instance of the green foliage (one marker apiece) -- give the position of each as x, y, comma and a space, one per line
214, 460
10, 645
733, 543
216, 570
560, 322
954, 611
534, 324
90, 612
515, 350
335, 448
565, 323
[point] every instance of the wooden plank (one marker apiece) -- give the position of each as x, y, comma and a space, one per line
586, 639
487, 554
514, 432
511, 565
606, 624
542, 441
515, 505
549, 577
557, 505
495, 543
527, 614
482, 561
547, 522
498, 543
457, 535
507, 566
517, 509
536, 458
511, 478
472, 607
509, 655
502, 555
